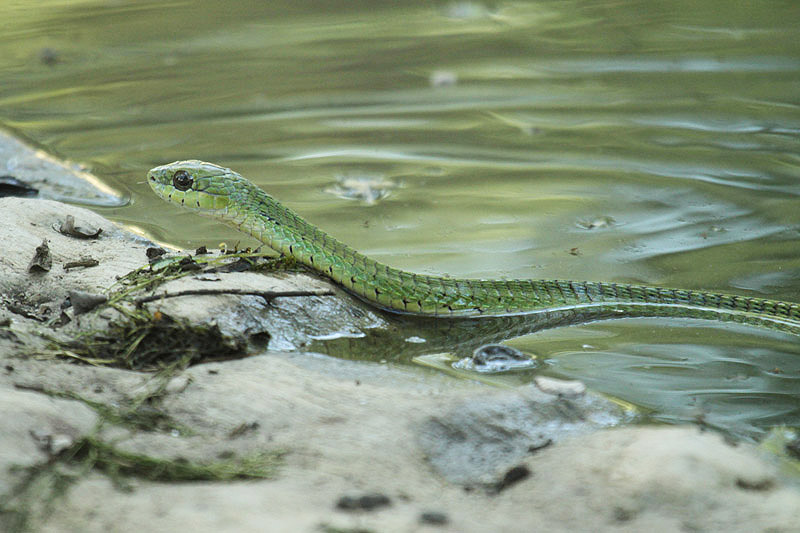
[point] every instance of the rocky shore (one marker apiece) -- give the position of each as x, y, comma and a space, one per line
142, 391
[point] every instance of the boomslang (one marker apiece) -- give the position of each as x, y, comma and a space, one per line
221, 193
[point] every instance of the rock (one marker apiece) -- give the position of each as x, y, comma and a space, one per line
364, 502
491, 358
662, 479
29, 222
480, 438
11, 186
53, 178
34, 428
560, 387
282, 323
434, 518
83, 302
285, 323
177, 384
514, 475
793, 448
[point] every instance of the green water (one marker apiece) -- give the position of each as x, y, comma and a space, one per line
649, 142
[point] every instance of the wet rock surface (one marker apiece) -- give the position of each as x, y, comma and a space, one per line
492, 358
480, 439
62, 298
29, 171
288, 322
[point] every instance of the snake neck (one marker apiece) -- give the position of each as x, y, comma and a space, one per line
261, 216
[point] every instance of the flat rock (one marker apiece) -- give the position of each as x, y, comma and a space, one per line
27, 223
352, 428
289, 322
35, 427
54, 178
670, 479
480, 438
34, 297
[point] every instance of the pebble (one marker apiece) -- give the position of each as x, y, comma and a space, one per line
560, 387
365, 502
435, 518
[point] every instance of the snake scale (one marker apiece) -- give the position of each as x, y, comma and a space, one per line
222, 194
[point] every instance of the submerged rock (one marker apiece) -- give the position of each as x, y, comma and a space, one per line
492, 358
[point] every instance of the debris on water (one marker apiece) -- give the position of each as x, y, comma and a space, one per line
49, 56
415, 340
712, 229
443, 78
466, 10
497, 352
492, 358
367, 188
597, 222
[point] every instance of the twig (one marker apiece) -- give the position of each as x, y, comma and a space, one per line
267, 295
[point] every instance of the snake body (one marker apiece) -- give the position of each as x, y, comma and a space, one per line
222, 194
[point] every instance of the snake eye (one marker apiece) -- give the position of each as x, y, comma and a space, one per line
182, 180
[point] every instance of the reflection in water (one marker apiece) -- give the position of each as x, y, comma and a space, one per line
738, 378
460, 337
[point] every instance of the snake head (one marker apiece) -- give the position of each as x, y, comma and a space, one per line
196, 185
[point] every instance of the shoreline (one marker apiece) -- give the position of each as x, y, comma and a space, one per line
263, 439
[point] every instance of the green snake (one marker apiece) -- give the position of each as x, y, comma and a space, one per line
222, 194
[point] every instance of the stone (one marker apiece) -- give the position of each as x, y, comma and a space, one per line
34, 428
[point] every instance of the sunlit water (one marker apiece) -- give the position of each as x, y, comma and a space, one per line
634, 141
